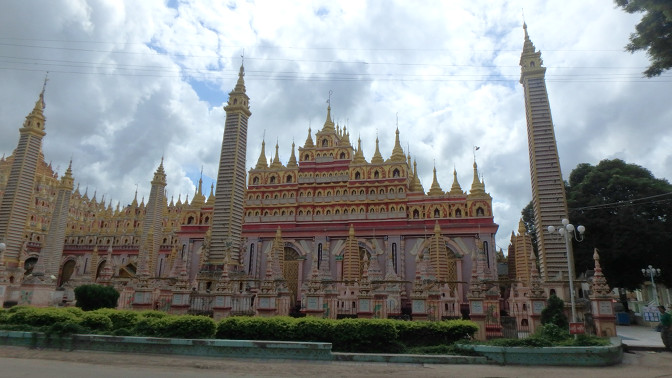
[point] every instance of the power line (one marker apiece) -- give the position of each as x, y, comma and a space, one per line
626, 203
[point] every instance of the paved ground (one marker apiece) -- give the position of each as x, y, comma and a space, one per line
23, 362
640, 337
647, 361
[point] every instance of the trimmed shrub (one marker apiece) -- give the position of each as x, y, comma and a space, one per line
93, 297
120, 318
96, 322
186, 326
41, 316
152, 314
366, 335
552, 333
64, 328
416, 334
146, 327
313, 329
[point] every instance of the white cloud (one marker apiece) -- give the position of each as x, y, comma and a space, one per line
132, 81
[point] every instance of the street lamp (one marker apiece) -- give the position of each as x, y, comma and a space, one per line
651, 272
567, 231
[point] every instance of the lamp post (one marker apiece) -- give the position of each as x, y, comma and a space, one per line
568, 231
651, 272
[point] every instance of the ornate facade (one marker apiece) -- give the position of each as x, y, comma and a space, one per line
327, 218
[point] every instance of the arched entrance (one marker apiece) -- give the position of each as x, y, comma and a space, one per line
67, 271
28, 265
290, 272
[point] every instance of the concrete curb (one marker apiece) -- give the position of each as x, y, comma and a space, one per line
552, 356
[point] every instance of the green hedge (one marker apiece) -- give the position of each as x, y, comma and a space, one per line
347, 335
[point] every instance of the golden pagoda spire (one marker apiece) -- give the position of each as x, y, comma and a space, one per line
309, 139
199, 198
435, 189
262, 162
345, 139
359, 155
377, 157
211, 197
397, 151
456, 189
292, 159
328, 123
521, 227
276, 160
477, 187
416, 185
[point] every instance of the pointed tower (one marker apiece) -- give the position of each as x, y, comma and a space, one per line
435, 189
397, 152
262, 163
292, 159
149, 246
455, 189
377, 157
548, 191
228, 212
52, 250
18, 195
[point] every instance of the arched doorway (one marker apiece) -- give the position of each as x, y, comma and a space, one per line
67, 271
28, 265
290, 272
101, 266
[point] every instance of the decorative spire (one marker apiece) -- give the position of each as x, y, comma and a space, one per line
276, 160
199, 198
455, 189
240, 84
345, 138
359, 155
530, 59
397, 151
211, 197
262, 162
377, 158
292, 159
600, 288
416, 185
328, 123
477, 187
309, 139
159, 175
521, 227
435, 189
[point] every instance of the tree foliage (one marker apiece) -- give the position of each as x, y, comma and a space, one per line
653, 33
554, 313
627, 213
93, 297
530, 228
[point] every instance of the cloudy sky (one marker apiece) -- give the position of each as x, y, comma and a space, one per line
132, 81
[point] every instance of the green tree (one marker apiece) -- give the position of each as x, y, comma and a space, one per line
554, 313
528, 221
93, 297
627, 213
653, 33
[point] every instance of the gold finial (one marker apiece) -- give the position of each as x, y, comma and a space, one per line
329, 99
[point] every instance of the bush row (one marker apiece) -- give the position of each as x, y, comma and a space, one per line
106, 321
347, 335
